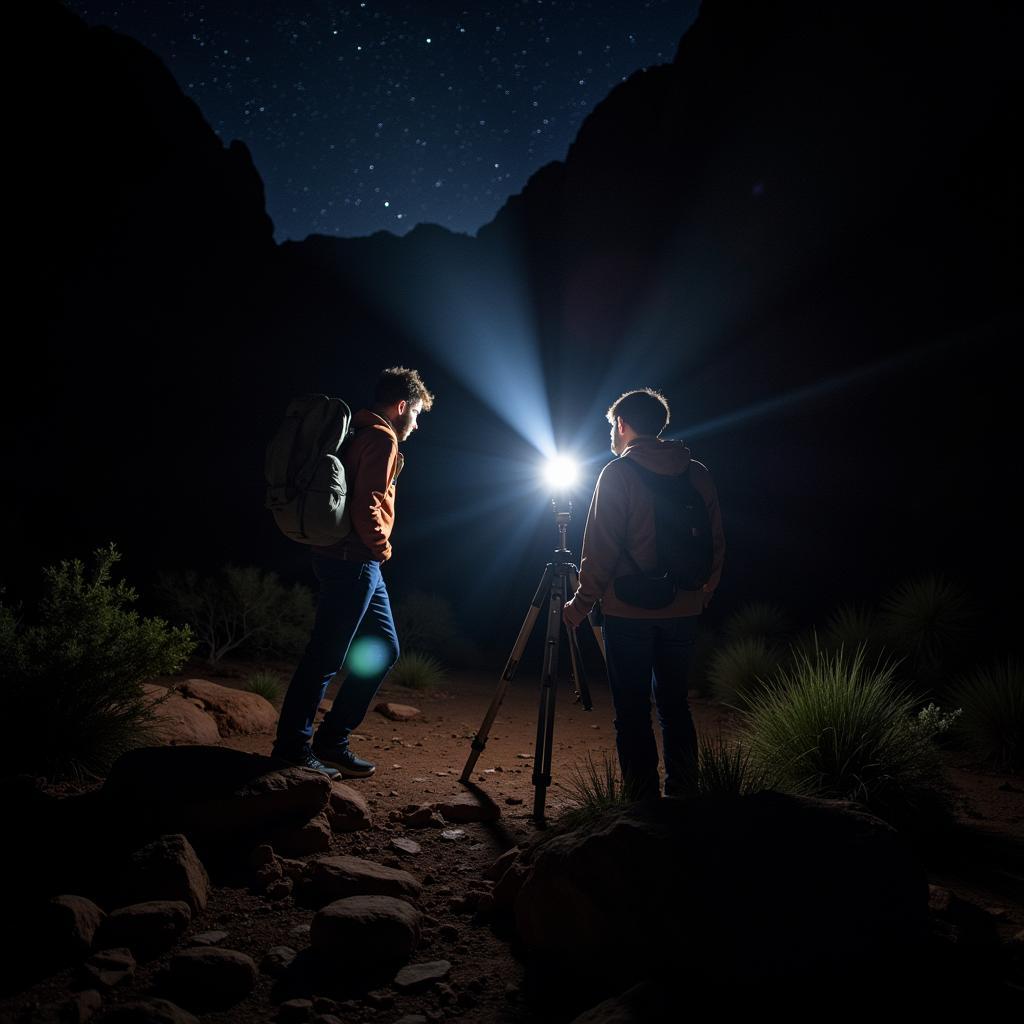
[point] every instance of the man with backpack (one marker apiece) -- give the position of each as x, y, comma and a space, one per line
354, 625
652, 555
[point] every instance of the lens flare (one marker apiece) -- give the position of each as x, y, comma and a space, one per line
561, 472
368, 656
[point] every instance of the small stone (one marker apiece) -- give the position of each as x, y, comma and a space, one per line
299, 932
145, 928
415, 976
445, 992
453, 834
324, 1004
277, 960
262, 855
208, 938
513, 801
109, 968
407, 846
380, 999
292, 1011
213, 976
397, 712
280, 890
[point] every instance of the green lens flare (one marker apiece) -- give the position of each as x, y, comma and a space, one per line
368, 656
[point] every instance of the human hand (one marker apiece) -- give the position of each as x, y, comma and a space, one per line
571, 614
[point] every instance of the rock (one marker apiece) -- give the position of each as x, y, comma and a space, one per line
206, 976
237, 712
832, 889
107, 969
76, 1009
502, 864
414, 976
296, 870
453, 834
643, 1002
397, 712
467, 807
324, 1004
280, 890
337, 877
420, 817
212, 794
208, 938
347, 810
167, 869
314, 836
366, 931
300, 933
409, 846
292, 1011
69, 925
508, 886
262, 856
277, 960
149, 1011
145, 928
179, 720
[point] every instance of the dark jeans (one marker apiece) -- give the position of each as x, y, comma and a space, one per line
353, 603
645, 655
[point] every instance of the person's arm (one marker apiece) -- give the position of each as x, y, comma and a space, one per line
604, 538
374, 471
710, 494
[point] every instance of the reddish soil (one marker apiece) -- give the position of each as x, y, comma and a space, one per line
421, 760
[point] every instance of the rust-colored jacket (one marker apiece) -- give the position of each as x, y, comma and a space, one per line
372, 463
621, 520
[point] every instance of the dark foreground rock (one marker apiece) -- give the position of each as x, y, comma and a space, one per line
205, 976
167, 869
149, 1011
366, 931
749, 890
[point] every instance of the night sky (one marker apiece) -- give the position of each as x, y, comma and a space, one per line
384, 114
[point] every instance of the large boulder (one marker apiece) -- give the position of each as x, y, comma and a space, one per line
366, 931
69, 924
167, 869
179, 720
145, 928
766, 886
337, 877
205, 976
212, 793
237, 712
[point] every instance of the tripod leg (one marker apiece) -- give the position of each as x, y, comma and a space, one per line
574, 583
546, 712
579, 676
480, 740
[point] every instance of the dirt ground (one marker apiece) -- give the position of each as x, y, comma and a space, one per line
420, 761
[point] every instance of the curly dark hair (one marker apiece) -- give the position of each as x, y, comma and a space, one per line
645, 410
398, 383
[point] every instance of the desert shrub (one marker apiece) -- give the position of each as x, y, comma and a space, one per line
596, 785
852, 626
928, 622
741, 667
427, 623
726, 768
837, 726
763, 619
241, 609
416, 671
267, 684
74, 697
992, 723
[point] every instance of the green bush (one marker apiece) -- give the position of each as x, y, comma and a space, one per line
741, 667
992, 724
74, 697
427, 623
241, 610
596, 786
835, 726
416, 671
727, 768
928, 622
852, 626
763, 619
267, 684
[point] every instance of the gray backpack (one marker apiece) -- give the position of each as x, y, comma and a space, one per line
306, 486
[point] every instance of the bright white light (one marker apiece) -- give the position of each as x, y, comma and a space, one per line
561, 473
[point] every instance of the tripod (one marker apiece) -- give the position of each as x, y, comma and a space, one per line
558, 582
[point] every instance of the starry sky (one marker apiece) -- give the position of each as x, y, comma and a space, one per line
382, 114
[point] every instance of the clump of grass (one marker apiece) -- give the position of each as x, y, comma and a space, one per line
596, 786
836, 726
851, 626
267, 684
416, 671
740, 668
726, 768
770, 622
992, 724
928, 621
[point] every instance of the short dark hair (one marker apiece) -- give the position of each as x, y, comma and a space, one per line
645, 410
399, 383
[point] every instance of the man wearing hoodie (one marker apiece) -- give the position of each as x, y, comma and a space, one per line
646, 649
354, 625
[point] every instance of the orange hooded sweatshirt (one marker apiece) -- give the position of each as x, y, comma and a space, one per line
372, 463
621, 520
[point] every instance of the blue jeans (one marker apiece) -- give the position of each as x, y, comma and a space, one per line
353, 602
646, 655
